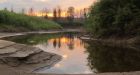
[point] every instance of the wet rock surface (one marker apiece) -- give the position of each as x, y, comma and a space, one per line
25, 58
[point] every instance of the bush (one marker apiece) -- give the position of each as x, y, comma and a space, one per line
114, 18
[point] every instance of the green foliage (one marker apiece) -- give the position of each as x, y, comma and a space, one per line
114, 18
10, 20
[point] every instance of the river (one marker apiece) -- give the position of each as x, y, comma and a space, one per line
79, 56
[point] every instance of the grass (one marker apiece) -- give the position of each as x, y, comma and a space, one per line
18, 22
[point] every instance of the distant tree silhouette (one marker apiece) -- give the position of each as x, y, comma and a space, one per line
85, 13
46, 16
46, 13
81, 14
70, 13
31, 11
54, 14
5, 9
12, 10
23, 11
59, 12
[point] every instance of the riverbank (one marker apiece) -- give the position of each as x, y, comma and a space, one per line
14, 22
11, 72
7, 34
4, 70
114, 41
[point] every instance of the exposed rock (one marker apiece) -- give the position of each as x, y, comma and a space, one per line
39, 57
8, 50
25, 58
5, 43
85, 38
25, 51
32, 62
18, 50
12, 62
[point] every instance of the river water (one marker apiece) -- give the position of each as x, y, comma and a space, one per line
80, 57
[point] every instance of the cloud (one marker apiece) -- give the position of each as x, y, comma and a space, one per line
40, 4
2, 1
41, 0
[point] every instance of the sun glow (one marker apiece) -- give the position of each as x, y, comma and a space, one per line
65, 56
57, 65
44, 14
64, 40
49, 14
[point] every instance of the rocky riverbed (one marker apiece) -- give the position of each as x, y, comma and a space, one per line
25, 58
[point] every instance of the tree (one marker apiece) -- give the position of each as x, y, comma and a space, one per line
12, 10
114, 18
54, 14
85, 10
31, 12
23, 11
59, 12
70, 14
5, 9
46, 13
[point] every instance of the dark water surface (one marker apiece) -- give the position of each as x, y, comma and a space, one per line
81, 57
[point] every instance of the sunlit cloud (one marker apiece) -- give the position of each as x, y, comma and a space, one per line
2, 1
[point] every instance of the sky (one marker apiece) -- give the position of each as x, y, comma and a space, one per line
38, 5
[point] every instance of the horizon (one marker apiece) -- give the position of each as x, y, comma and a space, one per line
40, 5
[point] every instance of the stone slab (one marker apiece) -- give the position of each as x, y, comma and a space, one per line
5, 43
31, 63
25, 51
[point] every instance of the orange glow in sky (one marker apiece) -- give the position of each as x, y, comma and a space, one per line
38, 5
49, 14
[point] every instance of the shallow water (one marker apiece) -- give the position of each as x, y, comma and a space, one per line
72, 49
81, 57
68, 45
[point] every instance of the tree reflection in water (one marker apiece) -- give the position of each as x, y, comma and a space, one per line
112, 59
57, 39
54, 43
67, 39
71, 41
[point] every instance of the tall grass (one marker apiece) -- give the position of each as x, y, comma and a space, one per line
19, 22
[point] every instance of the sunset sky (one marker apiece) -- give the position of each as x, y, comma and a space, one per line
40, 4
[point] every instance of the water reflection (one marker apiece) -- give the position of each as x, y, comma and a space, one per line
72, 49
82, 57
67, 40
112, 59
68, 45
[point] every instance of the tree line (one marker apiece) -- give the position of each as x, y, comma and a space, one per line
114, 18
